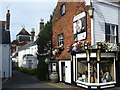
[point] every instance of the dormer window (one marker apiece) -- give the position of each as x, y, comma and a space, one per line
62, 10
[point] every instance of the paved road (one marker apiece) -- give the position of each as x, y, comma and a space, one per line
22, 80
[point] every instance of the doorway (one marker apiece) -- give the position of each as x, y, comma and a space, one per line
63, 71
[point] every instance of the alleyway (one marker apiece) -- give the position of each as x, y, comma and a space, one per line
22, 80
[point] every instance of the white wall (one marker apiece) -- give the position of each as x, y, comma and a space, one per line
31, 50
5, 61
104, 13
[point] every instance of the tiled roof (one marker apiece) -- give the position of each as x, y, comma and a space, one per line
4, 35
23, 32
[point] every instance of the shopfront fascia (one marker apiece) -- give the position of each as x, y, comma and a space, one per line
95, 73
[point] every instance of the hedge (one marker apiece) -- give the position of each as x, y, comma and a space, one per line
28, 71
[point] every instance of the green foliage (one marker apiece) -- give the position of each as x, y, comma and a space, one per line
42, 69
43, 43
44, 38
28, 71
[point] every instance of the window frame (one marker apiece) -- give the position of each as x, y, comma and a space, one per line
60, 39
62, 9
109, 34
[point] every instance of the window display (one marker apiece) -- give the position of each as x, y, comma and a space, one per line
82, 71
93, 71
106, 70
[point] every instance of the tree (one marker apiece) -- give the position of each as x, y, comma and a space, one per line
44, 44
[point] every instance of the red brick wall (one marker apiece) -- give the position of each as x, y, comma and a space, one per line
64, 24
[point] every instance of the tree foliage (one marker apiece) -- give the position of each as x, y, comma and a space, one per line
43, 43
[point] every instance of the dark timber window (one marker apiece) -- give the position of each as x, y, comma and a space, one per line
62, 10
111, 33
60, 39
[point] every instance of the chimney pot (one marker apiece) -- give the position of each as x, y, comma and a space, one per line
41, 24
32, 34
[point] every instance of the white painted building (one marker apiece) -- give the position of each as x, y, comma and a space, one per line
27, 56
104, 27
5, 60
106, 15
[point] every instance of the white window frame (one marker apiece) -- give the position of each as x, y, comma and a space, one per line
60, 39
113, 33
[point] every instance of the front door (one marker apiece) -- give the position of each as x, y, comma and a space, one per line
63, 71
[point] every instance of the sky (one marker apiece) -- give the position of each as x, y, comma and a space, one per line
26, 14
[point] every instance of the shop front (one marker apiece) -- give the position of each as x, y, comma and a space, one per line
95, 67
95, 74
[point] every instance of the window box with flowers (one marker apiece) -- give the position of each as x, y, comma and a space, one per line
104, 46
57, 50
77, 47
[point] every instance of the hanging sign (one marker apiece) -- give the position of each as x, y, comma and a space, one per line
79, 24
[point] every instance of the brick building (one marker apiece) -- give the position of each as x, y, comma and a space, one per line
75, 24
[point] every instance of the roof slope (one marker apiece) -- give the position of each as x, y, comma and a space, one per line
28, 45
23, 32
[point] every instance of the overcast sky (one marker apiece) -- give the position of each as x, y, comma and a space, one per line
27, 14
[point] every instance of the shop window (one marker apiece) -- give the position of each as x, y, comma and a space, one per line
82, 72
111, 33
107, 70
60, 39
93, 71
62, 10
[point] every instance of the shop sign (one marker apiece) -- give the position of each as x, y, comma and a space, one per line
79, 24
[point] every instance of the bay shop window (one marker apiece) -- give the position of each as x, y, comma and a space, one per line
94, 72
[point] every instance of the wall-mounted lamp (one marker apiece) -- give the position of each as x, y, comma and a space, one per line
91, 11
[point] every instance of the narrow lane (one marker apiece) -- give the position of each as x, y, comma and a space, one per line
22, 80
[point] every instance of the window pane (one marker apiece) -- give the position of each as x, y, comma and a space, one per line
60, 39
107, 28
107, 37
106, 70
93, 72
82, 71
62, 9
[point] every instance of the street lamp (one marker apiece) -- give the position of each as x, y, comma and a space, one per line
91, 12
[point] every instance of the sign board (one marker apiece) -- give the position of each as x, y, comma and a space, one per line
79, 24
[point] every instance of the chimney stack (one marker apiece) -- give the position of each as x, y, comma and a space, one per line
41, 24
32, 34
8, 20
